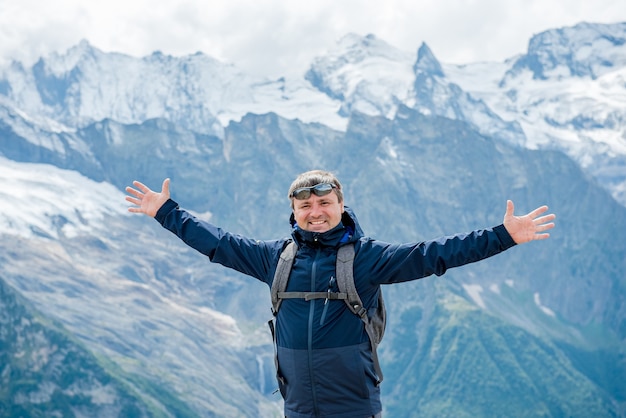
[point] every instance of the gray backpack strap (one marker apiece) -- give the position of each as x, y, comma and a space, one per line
345, 279
375, 324
281, 276
312, 295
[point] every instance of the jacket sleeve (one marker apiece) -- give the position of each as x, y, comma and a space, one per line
391, 263
252, 257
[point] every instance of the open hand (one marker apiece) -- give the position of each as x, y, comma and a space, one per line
145, 200
528, 227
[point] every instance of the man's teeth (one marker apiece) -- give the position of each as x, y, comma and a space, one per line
317, 222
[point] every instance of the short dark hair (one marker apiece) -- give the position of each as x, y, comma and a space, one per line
312, 178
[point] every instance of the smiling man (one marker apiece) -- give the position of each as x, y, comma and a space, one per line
327, 364
315, 208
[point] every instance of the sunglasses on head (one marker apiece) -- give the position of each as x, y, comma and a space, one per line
321, 189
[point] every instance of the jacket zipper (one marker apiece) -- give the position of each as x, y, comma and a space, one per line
324, 313
310, 334
330, 288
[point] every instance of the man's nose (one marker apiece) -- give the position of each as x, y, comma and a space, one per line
316, 210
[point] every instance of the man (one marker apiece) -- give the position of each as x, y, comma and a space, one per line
325, 362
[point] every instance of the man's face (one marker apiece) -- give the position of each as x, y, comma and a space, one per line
318, 213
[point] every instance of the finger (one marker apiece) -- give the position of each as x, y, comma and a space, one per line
133, 200
538, 211
135, 210
510, 208
134, 192
541, 236
544, 227
165, 188
141, 186
544, 219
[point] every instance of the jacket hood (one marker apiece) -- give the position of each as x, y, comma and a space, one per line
348, 230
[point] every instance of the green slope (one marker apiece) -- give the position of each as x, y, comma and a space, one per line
46, 372
467, 363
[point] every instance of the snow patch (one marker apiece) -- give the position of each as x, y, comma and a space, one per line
545, 310
495, 288
40, 199
474, 291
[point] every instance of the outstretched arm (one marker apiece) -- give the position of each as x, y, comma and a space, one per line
528, 227
145, 200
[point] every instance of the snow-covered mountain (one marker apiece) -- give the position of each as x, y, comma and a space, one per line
85, 85
567, 92
372, 77
50, 202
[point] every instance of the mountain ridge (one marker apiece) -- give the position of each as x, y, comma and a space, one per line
564, 93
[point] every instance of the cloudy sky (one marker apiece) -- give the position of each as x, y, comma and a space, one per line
281, 37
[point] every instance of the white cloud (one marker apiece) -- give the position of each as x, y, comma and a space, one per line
278, 37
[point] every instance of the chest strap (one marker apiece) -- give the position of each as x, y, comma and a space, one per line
313, 295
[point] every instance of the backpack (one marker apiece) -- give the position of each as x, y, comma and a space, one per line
374, 323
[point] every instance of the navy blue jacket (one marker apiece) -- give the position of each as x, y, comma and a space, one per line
324, 354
